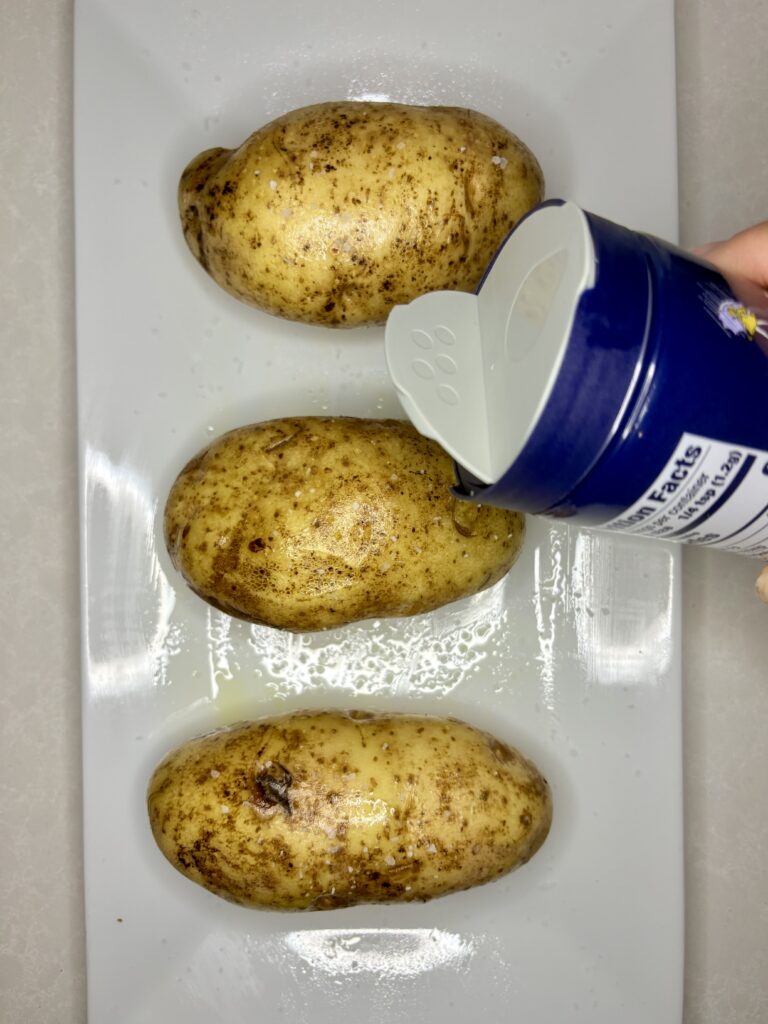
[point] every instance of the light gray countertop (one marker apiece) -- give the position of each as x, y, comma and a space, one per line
723, 98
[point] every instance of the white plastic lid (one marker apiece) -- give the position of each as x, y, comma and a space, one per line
474, 372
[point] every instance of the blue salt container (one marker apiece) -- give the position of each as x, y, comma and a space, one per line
598, 375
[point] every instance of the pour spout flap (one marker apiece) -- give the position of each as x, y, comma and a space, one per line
474, 371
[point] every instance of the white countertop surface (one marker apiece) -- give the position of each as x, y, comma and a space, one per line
723, 98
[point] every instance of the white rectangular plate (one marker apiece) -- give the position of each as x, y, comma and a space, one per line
574, 657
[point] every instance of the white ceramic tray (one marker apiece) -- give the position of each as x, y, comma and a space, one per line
575, 657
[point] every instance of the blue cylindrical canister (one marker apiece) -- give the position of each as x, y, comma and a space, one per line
598, 375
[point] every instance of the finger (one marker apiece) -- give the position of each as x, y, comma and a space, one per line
705, 250
746, 254
762, 585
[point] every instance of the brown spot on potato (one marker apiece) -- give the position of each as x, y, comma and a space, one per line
272, 787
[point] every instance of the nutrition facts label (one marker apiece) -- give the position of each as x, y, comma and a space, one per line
709, 493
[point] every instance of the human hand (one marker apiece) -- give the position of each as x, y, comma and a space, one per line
745, 256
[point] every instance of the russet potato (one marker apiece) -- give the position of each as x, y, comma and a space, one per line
334, 213
308, 523
316, 810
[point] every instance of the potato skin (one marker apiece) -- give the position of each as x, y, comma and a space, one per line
334, 213
316, 810
314, 522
